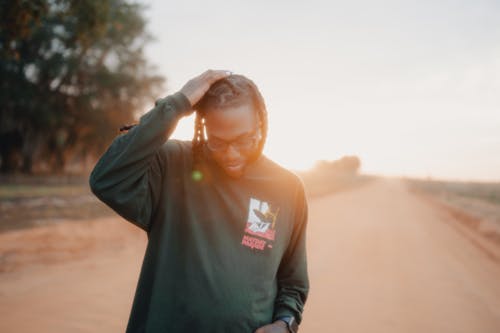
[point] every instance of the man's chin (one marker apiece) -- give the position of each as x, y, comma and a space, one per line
234, 172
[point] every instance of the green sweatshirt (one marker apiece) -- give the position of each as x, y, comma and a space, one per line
223, 254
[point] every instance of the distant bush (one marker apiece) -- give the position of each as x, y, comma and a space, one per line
332, 176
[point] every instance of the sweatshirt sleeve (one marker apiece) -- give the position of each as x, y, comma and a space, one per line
293, 281
128, 175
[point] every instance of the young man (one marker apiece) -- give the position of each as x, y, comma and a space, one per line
226, 226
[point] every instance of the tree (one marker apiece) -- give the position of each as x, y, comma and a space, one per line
345, 165
72, 72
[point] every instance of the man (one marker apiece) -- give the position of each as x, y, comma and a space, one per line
225, 225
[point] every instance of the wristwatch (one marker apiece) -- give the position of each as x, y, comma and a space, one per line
291, 323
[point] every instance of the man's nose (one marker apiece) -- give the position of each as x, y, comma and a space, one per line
231, 152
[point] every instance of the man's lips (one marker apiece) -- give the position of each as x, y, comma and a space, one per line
233, 166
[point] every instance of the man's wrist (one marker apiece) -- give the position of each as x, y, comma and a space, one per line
290, 322
179, 102
281, 323
186, 99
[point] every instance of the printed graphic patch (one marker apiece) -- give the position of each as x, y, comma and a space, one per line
260, 229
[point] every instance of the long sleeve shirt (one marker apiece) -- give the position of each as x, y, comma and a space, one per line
223, 254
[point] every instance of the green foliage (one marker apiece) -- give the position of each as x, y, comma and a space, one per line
72, 72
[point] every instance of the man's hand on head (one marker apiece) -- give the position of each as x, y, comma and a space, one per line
195, 88
278, 326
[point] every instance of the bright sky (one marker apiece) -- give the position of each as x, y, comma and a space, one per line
411, 87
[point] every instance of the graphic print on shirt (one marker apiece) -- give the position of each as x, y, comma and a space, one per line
260, 229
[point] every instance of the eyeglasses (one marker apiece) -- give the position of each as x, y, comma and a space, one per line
246, 142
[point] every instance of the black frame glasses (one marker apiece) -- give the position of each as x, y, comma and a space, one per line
246, 142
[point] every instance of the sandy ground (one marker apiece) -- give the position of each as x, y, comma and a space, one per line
381, 259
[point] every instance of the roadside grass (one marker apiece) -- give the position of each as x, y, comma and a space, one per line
488, 192
33, 201
16, 191
474, 204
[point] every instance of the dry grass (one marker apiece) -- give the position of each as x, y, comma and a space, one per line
476, 205
36, 201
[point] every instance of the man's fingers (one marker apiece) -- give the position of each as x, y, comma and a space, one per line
215, 75
195, 88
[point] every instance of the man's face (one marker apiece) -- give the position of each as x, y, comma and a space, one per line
233, 137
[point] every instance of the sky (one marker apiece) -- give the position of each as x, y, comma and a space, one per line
410, 87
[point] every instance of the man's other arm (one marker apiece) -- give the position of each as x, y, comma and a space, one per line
293, 281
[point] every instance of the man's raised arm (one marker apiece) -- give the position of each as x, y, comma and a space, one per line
128, 175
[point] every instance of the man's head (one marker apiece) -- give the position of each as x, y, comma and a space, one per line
231, 120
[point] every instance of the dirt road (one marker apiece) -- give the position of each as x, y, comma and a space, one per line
380, 260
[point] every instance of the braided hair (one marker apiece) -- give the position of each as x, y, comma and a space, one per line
234, 90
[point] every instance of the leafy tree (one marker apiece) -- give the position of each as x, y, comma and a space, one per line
72, 72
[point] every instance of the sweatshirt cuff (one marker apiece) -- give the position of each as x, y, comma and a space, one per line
179, 101
285, 312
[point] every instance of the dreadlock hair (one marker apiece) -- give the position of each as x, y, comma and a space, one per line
234, 90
